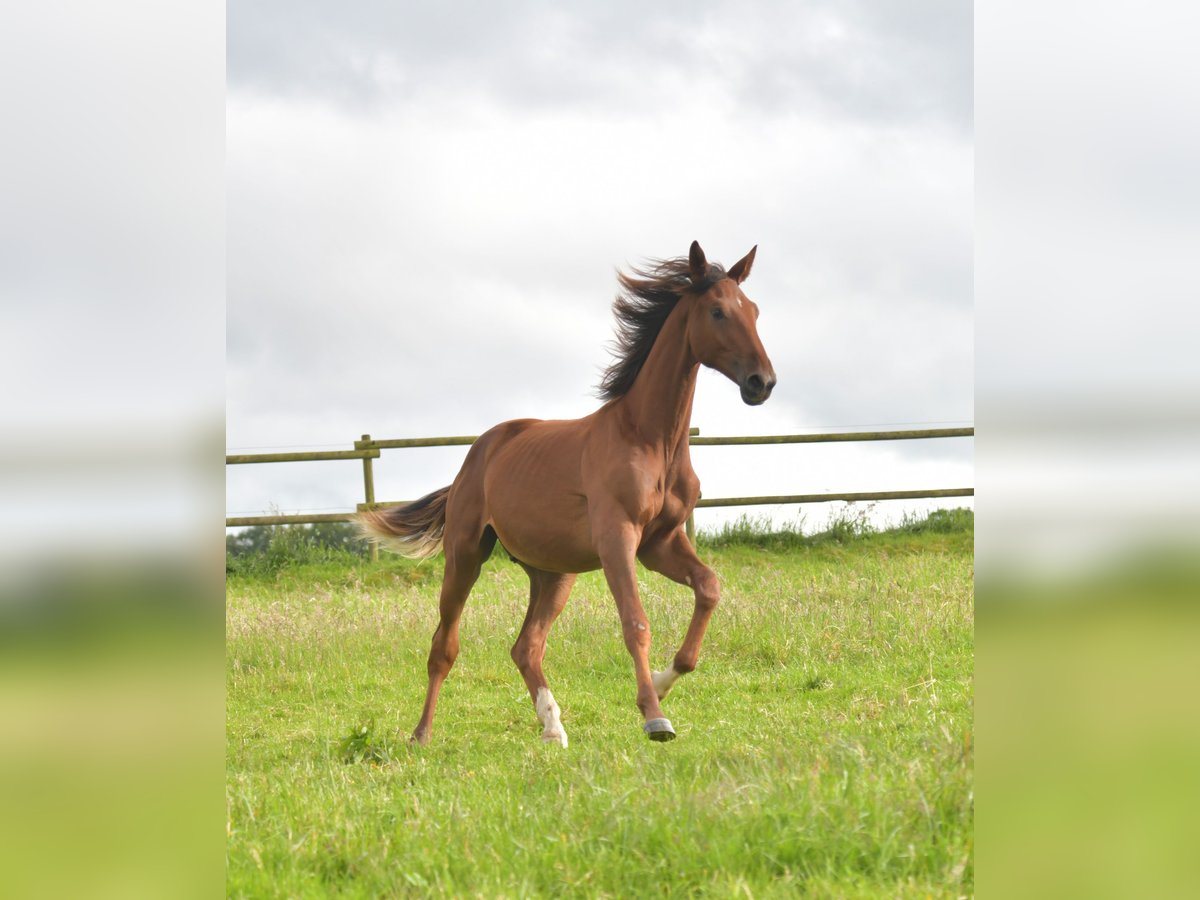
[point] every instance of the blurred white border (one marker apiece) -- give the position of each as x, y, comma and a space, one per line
112, 274
1087, 375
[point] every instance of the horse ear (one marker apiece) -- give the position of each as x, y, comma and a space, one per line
740, 270
697, 263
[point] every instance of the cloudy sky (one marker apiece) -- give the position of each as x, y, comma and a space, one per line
427, 205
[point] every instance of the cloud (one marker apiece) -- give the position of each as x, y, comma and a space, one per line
424, 241
846, 59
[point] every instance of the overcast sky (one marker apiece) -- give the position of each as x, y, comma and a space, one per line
427, 206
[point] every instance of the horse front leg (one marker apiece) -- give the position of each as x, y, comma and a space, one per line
675, 558
618, 552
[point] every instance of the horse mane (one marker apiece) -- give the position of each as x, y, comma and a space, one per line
647, 297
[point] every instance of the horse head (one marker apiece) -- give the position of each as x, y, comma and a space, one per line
723, 326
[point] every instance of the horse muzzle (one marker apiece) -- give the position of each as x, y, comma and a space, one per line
757, 388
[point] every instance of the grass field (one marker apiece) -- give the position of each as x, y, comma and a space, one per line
825, 743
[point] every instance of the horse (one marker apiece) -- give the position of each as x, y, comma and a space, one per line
600, 492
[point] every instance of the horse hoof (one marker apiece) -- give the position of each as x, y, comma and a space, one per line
659, 730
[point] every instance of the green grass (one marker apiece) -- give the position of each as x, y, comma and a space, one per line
825, 742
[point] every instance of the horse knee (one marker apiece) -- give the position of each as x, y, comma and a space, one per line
637, 634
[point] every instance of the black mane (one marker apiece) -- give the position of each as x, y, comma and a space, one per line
647, 297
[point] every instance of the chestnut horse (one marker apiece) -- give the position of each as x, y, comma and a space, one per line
603, 491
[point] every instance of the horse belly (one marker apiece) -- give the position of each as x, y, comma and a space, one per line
547, 532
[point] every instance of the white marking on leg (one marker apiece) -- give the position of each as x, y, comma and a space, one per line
664, 681
548, 712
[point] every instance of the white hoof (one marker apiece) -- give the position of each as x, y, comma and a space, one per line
555, 737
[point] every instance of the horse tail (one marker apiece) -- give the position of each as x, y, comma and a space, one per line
414, 530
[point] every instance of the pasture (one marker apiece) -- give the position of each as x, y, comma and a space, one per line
825, 742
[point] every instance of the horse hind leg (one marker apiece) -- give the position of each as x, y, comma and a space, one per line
465, 555
548, 593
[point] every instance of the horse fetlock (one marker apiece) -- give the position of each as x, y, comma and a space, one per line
684, 665
647, 703
551, 717
420, 736
663, 681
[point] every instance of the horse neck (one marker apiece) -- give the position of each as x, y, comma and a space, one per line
659, 405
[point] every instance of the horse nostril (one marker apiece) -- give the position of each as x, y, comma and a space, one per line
755, 383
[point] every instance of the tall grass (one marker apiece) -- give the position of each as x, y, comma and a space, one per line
848, 524
825, 743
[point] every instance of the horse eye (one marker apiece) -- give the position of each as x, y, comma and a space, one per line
717, 313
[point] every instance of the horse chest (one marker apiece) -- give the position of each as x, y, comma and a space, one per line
666, 500
647, 488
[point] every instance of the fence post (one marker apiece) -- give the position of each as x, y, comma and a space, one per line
368, 489
690, 527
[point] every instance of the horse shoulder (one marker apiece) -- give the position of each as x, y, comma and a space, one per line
632, 481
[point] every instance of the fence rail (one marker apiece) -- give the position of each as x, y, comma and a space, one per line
297, 519
825, 498
240, 459
368, 449
831, 437
400, 443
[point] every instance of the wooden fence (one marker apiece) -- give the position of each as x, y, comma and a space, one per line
368, 449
